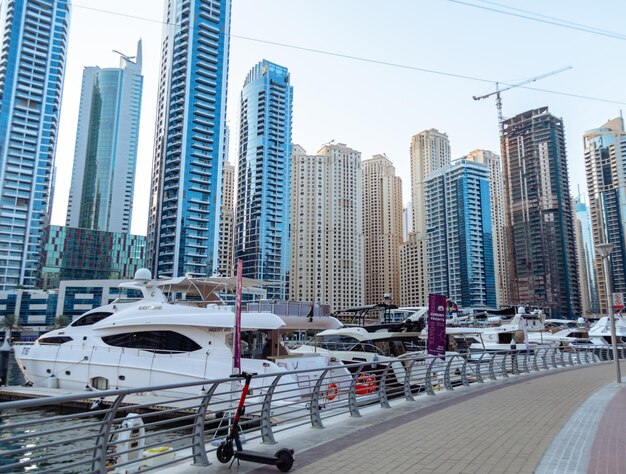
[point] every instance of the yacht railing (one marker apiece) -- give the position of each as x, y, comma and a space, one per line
98, 436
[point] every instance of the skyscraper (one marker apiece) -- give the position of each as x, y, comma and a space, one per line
538, 214
327, 227
382, 229
185, 193
585, 256
263, 191
105, 155
430, 151
460, 236
492, 161
34, 35
227, 229
605, 152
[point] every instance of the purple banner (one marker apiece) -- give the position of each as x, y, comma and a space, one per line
436, 343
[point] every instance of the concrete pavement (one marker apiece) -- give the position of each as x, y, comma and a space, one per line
570, 421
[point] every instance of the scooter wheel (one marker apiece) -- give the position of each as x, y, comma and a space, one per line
284, 460
225, 452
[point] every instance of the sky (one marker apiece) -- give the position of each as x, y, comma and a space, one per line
373, 107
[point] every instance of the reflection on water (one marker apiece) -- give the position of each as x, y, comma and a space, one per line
79, 435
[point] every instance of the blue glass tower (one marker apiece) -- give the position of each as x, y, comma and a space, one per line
185, 194
460, 235
105, 156
34, 36
263, 191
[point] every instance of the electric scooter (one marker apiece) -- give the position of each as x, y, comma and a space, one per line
282, 459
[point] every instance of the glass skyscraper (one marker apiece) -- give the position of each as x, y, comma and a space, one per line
460, 234
185, 194
105, 156
263, 191
605, 153
34, 35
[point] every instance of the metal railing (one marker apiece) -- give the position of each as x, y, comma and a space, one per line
121, 430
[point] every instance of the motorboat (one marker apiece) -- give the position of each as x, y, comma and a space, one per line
377, 348
600, 332
154, 340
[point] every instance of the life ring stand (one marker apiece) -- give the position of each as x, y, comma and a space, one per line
332, 391
365, 384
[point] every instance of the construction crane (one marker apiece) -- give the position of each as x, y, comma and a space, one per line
511, 86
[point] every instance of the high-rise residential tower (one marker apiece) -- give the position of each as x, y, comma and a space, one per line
492, 161
382, 229
105, 155
227, 229
585, 257
327, 227
185, 194
460, 236
34, 35
605, 154
430, 151
539, 223
263, 189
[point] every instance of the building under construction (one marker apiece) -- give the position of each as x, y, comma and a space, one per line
539, 214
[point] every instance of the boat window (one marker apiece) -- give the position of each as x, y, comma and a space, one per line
337, 342
54, 340
91, 318
99, 383
154, 341
505, 337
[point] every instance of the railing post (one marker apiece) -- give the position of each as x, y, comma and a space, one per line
408, 394
197, 439
382, 388
514, 369
428, 379
492, 371
314, 408
446, 375
479, 363
99, 463
353, 406
464, 380
525, 362
563, 364
535, 364
266, 413
545, 358
554, 362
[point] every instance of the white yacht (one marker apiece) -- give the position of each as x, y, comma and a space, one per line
152, 341
600, 332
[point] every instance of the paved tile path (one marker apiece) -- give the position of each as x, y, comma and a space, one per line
501, 429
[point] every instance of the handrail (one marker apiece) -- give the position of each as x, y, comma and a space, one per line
184, 427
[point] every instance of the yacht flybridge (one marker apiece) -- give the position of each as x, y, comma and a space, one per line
154, 340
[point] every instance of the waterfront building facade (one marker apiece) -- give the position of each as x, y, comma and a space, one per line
492, 161
430, 151
263, 186
382, 229
538, 214
227, 229
72, 253
34, 36
105, 154
460, 235
185, 193
412, 260
407, 220
605, 157
327, 227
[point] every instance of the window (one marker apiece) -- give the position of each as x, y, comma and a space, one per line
154, 341
54, 340
89, 319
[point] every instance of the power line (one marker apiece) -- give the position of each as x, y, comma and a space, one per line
544, 19
368, 60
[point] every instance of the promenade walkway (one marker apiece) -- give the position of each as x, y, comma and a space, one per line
572, 421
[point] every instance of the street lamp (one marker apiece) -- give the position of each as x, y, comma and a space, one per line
604, 252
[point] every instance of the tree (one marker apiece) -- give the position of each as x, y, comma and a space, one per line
10, 323
61, 321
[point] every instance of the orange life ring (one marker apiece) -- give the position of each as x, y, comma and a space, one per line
332, 391
365, 384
